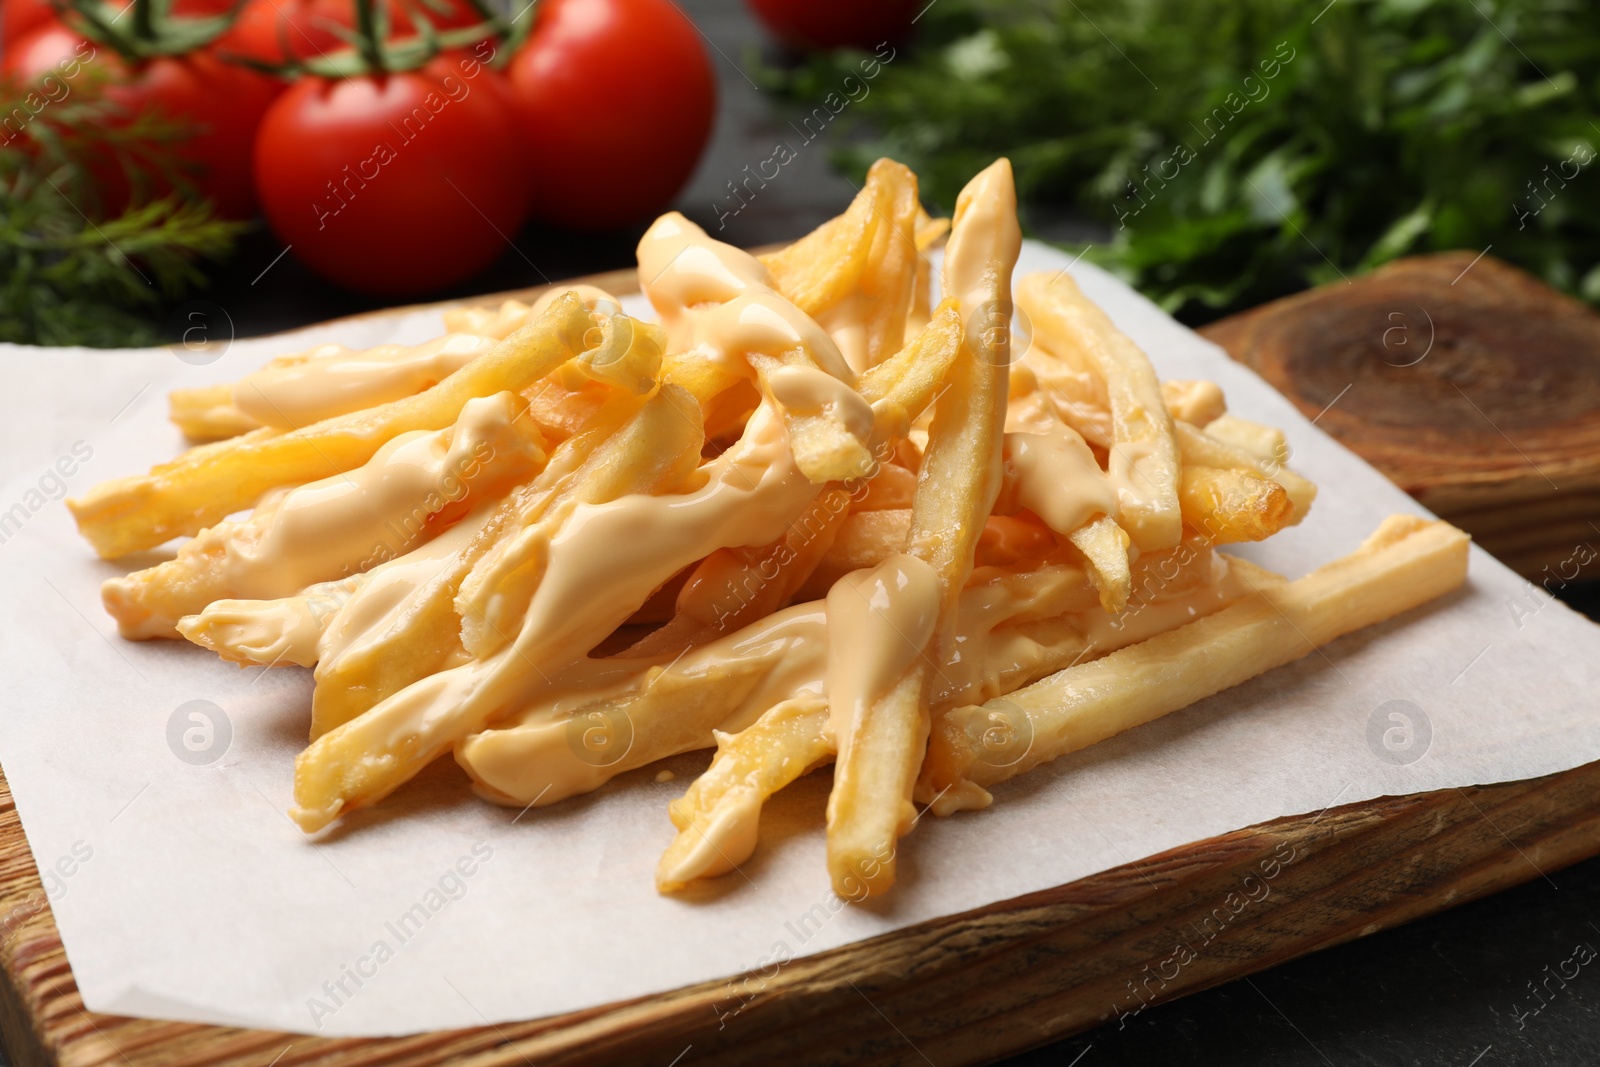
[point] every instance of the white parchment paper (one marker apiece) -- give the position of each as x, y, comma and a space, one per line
183, 891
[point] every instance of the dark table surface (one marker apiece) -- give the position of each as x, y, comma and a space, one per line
1453, 989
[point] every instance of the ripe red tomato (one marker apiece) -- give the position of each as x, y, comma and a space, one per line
812, 24
18, 17
395, 183
309, 27
222, 104
617, 97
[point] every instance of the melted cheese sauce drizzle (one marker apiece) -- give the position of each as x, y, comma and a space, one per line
1012, 626
333, 380
326, 530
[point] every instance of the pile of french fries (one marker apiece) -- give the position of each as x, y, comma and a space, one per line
806, 518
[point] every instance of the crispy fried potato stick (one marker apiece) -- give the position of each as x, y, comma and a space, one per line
929, 231
416, 485
822, 268
210, 482
787, 741
1200, 449
297, 390
208, 413
881, 735
1196, 402
1405, 563
1266, 443
501, 322
1104, 545
268, 633
1233, 505
857, 274
1144, 456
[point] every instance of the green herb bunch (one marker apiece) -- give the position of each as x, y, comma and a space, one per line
68, 275
1243, 149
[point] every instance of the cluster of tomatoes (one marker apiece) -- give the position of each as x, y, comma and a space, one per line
403, 177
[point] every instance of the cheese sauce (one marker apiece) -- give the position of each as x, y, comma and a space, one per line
333, 380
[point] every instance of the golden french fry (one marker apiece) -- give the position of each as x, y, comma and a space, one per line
1200, 449
880, 735
1104, 545
718, 818
498, 323
901, 387
416, 485
823, 267
1233, 505
1144, 455
287, 630
1266, 443
857, 274
210, 482
208, 413
1195, 402
1405, 563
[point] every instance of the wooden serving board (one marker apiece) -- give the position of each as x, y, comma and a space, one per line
962, 989
1469, 383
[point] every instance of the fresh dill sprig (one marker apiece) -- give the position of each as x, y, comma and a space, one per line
68, 274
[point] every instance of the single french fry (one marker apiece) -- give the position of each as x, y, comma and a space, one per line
717, 818
821, 268
880, 737
1407, 562
1230, 505
286, 630
414, 486
208, 413
210, 482
1144, 455
1104, 545
1197, 402
1266, 443
901, 387
498, 323
1200, 449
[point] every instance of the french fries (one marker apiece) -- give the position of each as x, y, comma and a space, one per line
210, 482
880, 733
809, 518
1405, 563
1144, 456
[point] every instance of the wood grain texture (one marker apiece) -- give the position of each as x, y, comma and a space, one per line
963, 989
1471, 384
